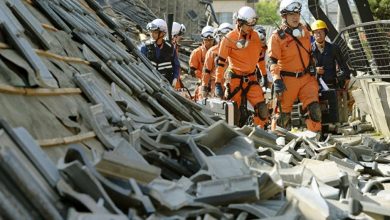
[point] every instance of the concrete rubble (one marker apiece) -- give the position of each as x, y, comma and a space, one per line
88, 130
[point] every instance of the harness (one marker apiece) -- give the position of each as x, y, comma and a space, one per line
243, 79
307, 69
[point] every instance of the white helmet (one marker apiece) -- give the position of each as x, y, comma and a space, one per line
207, 32
247, 15
290, 6
157, 24
178, 29
225, 28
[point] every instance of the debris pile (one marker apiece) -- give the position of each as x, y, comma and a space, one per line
90, 131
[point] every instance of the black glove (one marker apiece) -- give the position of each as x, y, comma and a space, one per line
279, 87
205, 91
341, 78
265, 81
218, 90
191, 71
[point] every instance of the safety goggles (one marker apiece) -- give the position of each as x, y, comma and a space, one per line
294, 7
208, 35
152, 27
182, 30
251, 22
292, 13
225, 31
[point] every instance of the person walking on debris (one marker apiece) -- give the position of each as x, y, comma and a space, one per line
162, 54
242, 47
208, 75
330, 64
178, 31
292, 68
197, 57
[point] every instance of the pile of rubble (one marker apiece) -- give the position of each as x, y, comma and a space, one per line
90, 131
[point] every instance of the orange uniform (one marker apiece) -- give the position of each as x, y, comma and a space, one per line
209, 65
293, 68
261, 63
242, 66
208, 74
197, 59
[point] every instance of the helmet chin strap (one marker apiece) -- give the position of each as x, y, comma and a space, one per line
241, 31
295, 31
159, 37
286, 23
240, 43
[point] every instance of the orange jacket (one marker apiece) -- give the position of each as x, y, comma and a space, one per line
241, 61
196, 61
210, 65
286, 53
261, 63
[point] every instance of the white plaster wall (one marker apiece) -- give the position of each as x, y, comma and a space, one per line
228, 6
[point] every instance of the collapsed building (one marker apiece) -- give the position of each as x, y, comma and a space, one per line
89, 130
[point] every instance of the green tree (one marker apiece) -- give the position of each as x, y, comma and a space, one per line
380, 9
268, 11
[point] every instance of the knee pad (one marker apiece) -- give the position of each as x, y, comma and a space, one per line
261, 110
314, 111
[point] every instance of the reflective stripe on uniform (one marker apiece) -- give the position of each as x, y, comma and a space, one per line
164, 67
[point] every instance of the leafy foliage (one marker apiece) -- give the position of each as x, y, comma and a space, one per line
268, 11
380, 9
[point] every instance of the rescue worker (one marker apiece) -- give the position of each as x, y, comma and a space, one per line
198, 56
261, 71
292, 67
242, 48
208, 75
328, 57
178, 31
162, 54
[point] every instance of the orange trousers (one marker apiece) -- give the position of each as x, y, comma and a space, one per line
254, 96
306, 89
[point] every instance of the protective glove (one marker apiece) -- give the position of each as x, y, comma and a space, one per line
205, 91
174, 81
320, 70
218, 90
341, 77
275, 69
279, 87
191, 71
265, 81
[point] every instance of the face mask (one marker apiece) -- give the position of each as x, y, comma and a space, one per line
296, 32
242, 43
